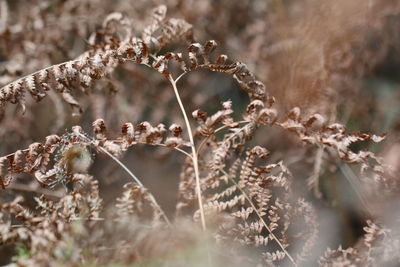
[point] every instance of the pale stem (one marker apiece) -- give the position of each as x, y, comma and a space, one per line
152, 198
204, 141
353, 180
176, 148
262, 220
194, 153
314, 178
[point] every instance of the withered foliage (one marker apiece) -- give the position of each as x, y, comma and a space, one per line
254, 169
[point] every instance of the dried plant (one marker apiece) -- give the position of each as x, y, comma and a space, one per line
253, 173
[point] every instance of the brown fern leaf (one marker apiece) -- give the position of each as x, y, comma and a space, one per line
72, 156
333, 135
61, 78
135, 201
157, 16
143, 133
48, 227
313, 130
199, 57
33, 160
249, 193
207, 125
93, 64
170, 30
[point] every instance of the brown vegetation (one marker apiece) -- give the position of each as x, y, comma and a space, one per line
223, 169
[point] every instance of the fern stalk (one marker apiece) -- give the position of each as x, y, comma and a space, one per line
152, 198
194, 152
262, 220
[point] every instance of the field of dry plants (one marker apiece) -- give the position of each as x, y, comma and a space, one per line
199, 133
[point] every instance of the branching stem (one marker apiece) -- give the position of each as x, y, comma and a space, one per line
194, 152
152, 198
204, 141
260, 217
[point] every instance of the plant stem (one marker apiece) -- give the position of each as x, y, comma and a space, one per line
152, 198
194, 153
262, 220
204, 141
353, 180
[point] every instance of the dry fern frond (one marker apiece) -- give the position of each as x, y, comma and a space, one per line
334, 136
248, 195
375, 248
33, 160
133, 201
46, 232
71, 155
93, 64
241, 172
